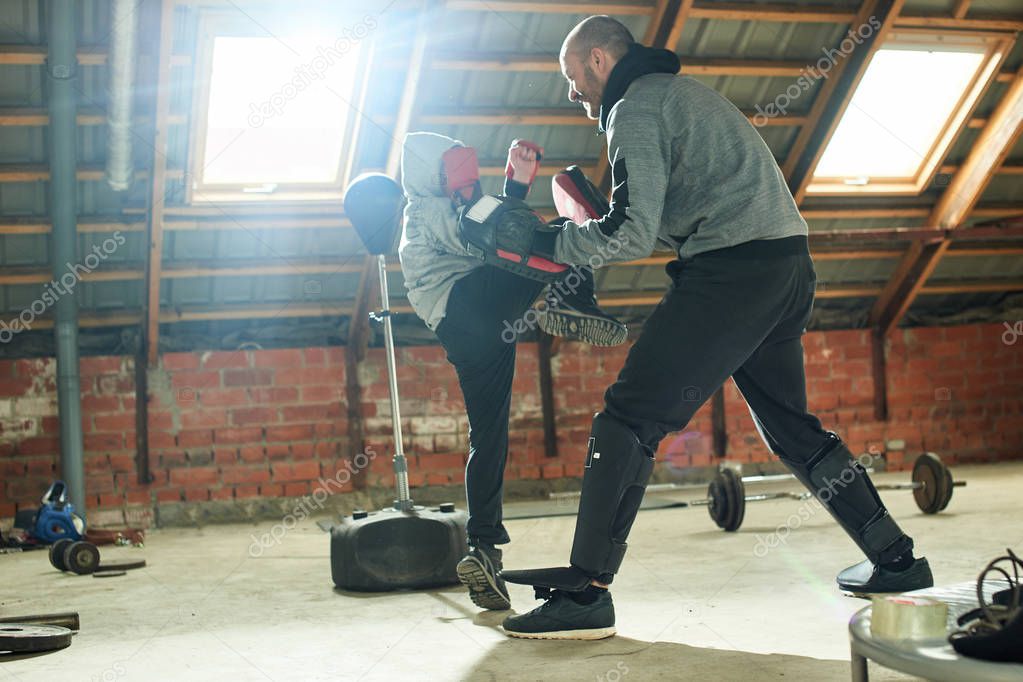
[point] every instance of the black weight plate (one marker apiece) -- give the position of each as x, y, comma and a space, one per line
22, 638
734, 493
949, 486
718, 501
57, 553
81, 558
929, 471
739, 497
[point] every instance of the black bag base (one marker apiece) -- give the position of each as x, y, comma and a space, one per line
394, 550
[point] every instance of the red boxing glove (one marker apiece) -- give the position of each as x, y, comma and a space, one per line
509, 171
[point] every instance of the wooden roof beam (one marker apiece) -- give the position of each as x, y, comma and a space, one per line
955, 204
834, 94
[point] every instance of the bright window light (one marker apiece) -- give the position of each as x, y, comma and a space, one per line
912, 100
897, 113
276, 116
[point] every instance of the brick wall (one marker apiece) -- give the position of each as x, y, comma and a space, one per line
247, 424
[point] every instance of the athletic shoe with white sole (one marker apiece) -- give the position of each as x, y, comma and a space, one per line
478, 571
561, 617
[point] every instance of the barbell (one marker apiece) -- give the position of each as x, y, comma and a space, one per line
931, 483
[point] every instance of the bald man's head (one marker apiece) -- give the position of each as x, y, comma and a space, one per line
588, 55
601, 31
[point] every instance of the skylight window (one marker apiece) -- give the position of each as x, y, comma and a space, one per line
912, 101
272, 120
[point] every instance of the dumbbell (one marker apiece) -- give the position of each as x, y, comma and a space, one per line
82, 558
931, 483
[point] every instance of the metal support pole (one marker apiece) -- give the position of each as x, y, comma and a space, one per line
404, 501
61, 71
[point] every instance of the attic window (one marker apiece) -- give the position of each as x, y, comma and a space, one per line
272, 117
912, 101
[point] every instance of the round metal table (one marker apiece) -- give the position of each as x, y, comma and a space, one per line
933, 659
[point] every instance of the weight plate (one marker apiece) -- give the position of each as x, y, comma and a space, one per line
739, 494
949, 486
934, 492
717, 502
81, 557
736, 496
57, 553
22, 638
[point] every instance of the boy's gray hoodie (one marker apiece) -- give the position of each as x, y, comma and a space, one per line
431, 252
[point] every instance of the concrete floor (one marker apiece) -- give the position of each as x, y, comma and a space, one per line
692, 602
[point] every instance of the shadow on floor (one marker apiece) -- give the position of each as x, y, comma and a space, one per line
619, 659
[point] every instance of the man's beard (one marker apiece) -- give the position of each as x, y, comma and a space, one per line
592, 94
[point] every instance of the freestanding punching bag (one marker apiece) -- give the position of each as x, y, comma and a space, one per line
406, 545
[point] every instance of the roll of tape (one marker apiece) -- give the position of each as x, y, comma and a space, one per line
907, 617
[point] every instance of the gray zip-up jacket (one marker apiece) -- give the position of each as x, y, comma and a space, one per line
431, 251
687, 168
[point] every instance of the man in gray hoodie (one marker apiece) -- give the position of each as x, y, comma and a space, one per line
474, 309
691, 174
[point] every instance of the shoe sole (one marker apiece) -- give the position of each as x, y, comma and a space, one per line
591, 330
592, 633
924, 581
482, 589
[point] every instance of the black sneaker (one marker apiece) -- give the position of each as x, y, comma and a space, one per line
865, 578
573, 313
478, 571
560, 617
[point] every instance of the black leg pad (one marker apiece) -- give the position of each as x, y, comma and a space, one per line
618, 468
842, 485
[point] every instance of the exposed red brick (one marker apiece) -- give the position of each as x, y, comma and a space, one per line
297, 471
253, 415
193, 438
225, 360
241, 435
284, 357
245, 474
289, 433
223, 396
178, 361
114, 422
248, 377
194, 476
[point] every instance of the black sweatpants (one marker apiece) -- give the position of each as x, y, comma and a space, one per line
737, 312
477, 335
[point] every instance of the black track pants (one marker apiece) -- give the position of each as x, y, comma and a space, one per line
478, 337
740, 313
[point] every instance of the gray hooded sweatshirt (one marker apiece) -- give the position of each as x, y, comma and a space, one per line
431, 251
688, 171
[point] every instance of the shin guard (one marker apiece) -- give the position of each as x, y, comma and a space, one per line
618, 468
841, 484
